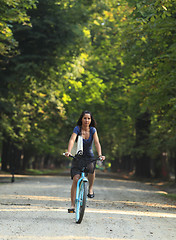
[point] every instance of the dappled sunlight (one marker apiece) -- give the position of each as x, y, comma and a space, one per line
62, 199
18, 208
34, 197
117, 180
130, 203
62, 237
36, 210
49, 186
134, 213
129, 190
100, 202
31, 176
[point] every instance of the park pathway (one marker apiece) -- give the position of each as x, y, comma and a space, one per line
35, 208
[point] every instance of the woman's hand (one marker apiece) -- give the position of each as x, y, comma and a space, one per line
67, 154
102, 158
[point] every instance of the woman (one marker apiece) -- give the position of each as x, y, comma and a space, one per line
86, 127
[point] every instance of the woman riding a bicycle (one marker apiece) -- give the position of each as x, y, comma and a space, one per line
86, 128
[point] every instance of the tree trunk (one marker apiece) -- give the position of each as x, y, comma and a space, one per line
5, 155
127, 163
15, 159
26, 158
175, 167
115, 165
46, 161
11, 157
142, 143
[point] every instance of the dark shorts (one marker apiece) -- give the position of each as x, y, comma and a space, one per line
77, 164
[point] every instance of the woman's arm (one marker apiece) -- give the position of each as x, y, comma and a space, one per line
97, 145
70, 144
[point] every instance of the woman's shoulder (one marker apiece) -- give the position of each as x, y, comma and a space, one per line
93, 130
76, 129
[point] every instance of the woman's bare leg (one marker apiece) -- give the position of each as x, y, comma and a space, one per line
73, 190
91, 178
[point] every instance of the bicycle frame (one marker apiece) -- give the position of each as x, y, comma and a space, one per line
79, 196
82, 178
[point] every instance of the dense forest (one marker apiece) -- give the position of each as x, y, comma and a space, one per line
116, 59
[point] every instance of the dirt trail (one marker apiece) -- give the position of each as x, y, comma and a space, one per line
35, 208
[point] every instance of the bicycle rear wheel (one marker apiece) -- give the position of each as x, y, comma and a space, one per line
81, 203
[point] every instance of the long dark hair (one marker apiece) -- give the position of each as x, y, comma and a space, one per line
93, 122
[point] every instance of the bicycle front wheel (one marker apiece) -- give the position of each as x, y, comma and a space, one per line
81, 202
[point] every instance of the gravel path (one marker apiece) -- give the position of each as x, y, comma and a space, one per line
35, 208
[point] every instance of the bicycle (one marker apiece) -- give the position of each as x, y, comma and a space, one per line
81, 190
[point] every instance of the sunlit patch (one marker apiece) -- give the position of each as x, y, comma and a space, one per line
134, 213
60, 237
18, 208
117, 180
29, 176
49, 186
32, 197
124, 189
147, 204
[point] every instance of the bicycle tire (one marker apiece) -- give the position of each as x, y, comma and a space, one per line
81, 203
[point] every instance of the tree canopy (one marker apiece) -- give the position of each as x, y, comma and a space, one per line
114, 58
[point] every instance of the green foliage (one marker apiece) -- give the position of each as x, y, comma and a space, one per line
114, 58
12, 11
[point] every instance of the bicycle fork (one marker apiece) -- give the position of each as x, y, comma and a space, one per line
78, 188
79, 195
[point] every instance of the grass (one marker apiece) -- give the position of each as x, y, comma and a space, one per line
44, 171
171, 195
37, 172
170, 189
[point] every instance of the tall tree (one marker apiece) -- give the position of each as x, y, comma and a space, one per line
33, 91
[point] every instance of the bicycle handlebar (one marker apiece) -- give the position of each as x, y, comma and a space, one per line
99, 158
69, 155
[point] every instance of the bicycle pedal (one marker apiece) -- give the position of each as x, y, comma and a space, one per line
71, 210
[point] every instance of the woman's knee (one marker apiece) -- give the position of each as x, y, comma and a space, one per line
76, 178
91, 168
